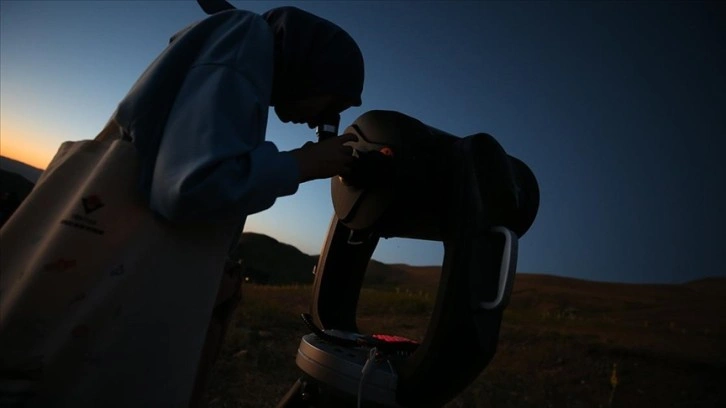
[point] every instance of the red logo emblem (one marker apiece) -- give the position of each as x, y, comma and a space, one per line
92, 203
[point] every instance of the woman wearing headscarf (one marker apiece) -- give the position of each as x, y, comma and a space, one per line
197, 117
211, 156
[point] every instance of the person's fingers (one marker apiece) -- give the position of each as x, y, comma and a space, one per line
347, 137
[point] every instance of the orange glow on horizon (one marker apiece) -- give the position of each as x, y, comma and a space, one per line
25, 147
32, 158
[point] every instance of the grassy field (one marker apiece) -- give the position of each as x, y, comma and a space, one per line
563, 343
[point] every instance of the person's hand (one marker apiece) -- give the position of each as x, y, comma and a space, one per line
326, 158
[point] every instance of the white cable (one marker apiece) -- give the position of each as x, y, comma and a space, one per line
367, 368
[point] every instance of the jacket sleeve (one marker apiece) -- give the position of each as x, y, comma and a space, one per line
213, 160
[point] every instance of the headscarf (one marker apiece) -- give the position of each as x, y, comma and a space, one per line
313, 57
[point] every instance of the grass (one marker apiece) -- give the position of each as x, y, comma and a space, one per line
556, 349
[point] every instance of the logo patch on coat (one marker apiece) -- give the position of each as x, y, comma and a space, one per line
92, 203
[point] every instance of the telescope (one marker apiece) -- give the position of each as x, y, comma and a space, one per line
414, 181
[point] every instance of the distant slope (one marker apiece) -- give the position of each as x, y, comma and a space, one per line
695, 308
420, 278
13, 166
698, 306
13, 190
285, 264
14, 183
713, 286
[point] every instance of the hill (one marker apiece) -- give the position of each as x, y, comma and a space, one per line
13, 190
286, 264
420, 278
13, 166
633, 314
269, 261
13, 183
697, 307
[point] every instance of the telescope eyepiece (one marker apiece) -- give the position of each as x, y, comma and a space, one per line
328, 127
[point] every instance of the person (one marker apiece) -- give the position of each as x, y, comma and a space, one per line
197, 117
212, 157
307, 68
304, 66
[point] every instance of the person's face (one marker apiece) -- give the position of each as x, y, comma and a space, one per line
311, 110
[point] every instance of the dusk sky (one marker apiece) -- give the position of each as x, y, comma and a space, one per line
617, 107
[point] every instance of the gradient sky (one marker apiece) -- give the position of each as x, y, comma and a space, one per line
618, 108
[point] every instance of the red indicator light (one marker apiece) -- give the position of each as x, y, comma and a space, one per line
387, 151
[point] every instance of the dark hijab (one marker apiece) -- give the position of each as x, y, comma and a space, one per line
313, 57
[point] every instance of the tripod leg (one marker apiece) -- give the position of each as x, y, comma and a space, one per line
302, 394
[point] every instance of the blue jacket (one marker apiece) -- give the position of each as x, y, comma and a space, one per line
198, 115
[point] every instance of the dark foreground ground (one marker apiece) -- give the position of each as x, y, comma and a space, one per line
564, 343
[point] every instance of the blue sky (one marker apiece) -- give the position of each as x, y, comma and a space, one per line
618, 108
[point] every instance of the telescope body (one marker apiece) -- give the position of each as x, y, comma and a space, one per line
415, 181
